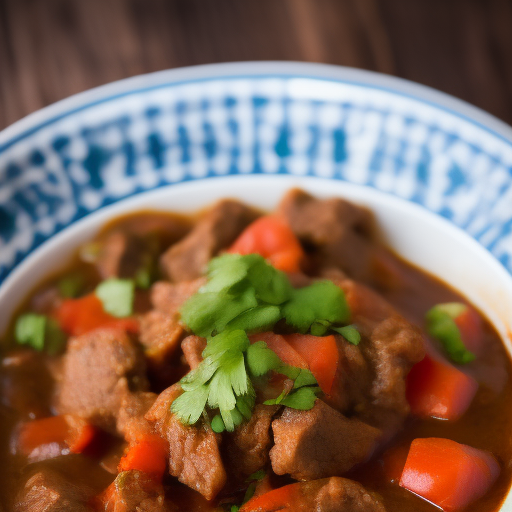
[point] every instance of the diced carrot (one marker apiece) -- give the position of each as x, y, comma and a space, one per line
70, 431
78, 316
448, 474
320, 353
437, 389
272, 238
282, 348
393, 462
148, 454
469, 323
281, 499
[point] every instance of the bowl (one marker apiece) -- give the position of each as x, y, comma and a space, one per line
436, 172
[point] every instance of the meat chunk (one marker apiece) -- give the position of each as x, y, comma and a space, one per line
194, 456
248, 446
135, 491
160, 329
49, 491
320, 443
134, 242
326, 495
26, 384
98, 369
391, 346
339, 232
131, 422
169, 297
216, 230
193, 347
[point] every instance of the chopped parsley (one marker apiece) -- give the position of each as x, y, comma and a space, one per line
117, 296
441, 325
39, 332
244, 295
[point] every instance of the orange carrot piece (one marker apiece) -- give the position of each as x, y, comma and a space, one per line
78, 316
448, 474
148, 454
281, 499
282, 348
272, 238
320, 353
437, 389
66, 430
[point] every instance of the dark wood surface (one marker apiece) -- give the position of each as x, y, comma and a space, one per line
50, 49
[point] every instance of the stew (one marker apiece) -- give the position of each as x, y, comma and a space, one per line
239, 361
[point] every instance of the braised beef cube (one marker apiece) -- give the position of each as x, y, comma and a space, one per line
135, 491
215, 231
160, 335
391, 346
98, 368
130, 418
169, 297
339, 232
248, 446
49, 491
194, 456
193, 347
26, 383
320, 442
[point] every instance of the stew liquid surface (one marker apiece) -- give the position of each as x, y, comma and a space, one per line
93, 415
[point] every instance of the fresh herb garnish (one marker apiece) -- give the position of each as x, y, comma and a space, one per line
349, 332
71, 285
117, 296
39, 332
243, 295
441, 326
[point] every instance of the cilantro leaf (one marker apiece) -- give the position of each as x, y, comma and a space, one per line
30, 330
350, 333
260, 359
272, 286
304, 378
322, 301
217, 424
117, 296
257, 319
225, 271
188, 407
71, 285
258, 475
40, 332
441, 326
303, 398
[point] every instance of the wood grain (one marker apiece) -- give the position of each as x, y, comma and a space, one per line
50, 49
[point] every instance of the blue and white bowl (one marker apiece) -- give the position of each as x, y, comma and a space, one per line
177, 140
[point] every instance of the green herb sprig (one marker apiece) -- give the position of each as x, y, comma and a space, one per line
244, 295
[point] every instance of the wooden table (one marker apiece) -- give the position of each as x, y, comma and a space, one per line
50, 49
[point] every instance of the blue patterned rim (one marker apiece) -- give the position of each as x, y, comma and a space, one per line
110, 143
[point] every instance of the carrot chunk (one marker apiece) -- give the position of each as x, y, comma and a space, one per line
279, 499
78, 316
320, 353
148, 454
67, 430
448, 474
272, 238
437, 389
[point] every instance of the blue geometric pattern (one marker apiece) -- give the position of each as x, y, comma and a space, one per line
120, 146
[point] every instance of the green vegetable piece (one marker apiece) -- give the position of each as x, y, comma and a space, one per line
258, 319
117, 296
245, 403
225, 271
30, 330
302, 399
350, 333
260, 359
452, 309
71, 286
319, 329
258, 476
234, 508
226, 341
249, 493
272, 286
188, 407
323, 301
442, 327
218, 424
304, 378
